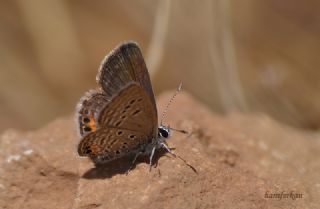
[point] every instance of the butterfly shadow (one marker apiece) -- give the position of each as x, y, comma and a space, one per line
121, 166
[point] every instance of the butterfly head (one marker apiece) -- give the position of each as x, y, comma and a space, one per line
164, 131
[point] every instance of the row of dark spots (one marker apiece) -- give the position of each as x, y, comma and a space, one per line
133, 101
124, 145
85, 120
118, 152
138, 100
124, 117
119, 133
130, 103
131, 136
124, 148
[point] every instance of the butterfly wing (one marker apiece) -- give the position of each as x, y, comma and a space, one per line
110, 143
126, 123
88, 109
123, 65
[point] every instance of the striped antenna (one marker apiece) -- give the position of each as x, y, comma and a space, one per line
170, 101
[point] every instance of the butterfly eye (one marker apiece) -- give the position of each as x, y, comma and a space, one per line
163, 132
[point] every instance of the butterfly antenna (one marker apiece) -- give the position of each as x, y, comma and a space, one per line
178, 130
170, 101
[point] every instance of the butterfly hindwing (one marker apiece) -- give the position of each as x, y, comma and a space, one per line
88, 109
108, 143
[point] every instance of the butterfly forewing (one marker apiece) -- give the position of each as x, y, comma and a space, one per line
123, 65
130, 109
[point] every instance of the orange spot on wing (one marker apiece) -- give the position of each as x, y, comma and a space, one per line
94, 149
92, 123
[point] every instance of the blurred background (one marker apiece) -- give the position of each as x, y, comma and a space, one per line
249, 56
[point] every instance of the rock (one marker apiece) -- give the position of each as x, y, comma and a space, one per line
242, 161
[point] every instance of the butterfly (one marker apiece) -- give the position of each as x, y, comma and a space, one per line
120, 117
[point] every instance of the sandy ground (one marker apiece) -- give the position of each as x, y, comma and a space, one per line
242, 161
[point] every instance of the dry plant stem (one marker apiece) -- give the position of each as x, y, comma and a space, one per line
223, 58
158, 38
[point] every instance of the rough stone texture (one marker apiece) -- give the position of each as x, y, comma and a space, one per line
239, 158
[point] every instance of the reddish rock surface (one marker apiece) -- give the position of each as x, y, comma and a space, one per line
239, 159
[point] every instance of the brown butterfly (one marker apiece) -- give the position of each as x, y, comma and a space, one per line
120, 117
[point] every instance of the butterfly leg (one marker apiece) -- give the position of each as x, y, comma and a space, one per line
133, 162
177, 156
151, 157
164, 145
